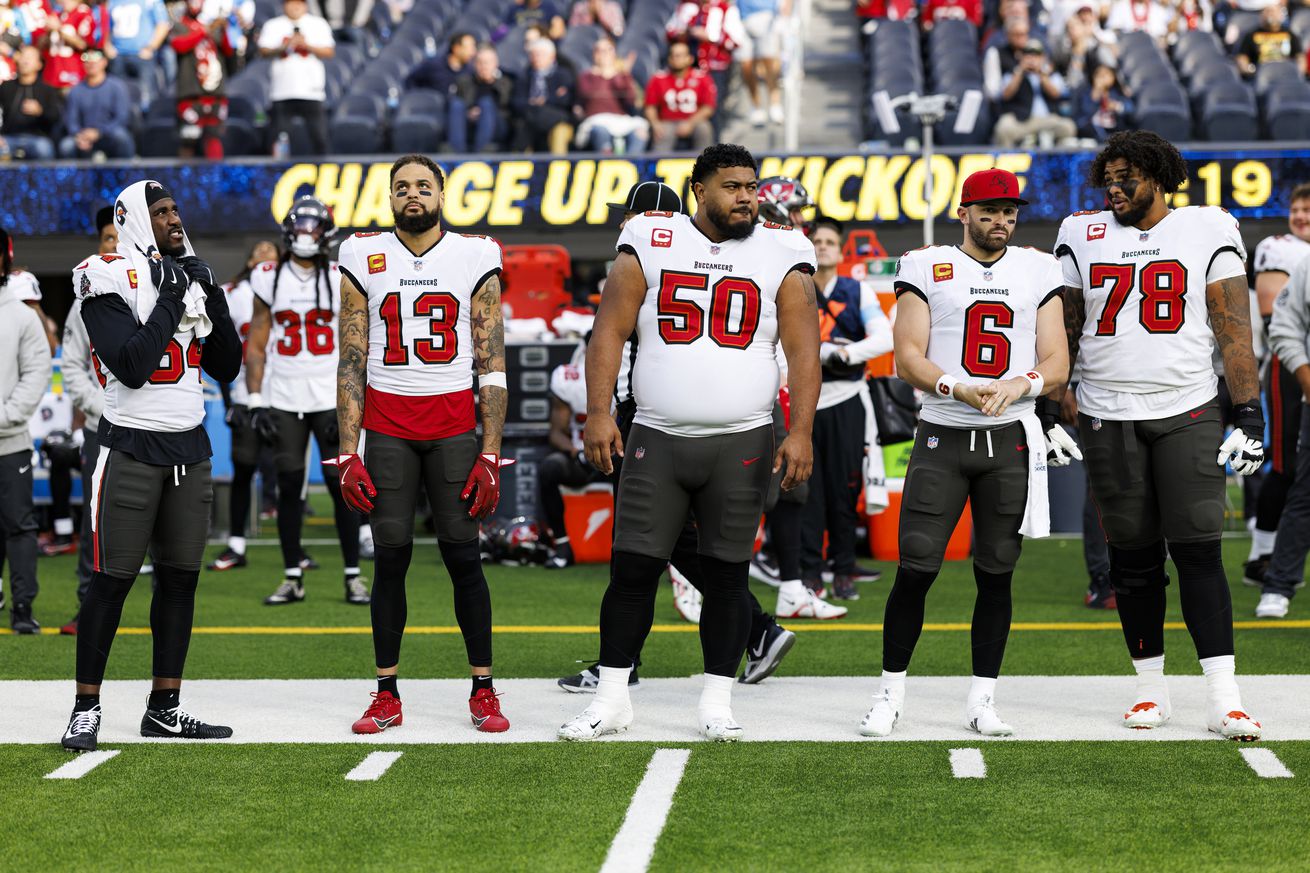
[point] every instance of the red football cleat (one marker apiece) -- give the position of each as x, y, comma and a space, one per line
484, 707
382, 713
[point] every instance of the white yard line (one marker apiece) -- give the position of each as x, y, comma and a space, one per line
373, 766
968, 764
780, 709
1266, 764
634, 844
82, 764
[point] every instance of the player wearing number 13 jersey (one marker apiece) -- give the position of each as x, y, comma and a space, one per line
710, 298
1149, 291
420, 311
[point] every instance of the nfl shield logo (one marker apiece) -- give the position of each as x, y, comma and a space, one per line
932, 442
418, 265
1144, 237
1096, 424
987, 275
640, 453
714, 250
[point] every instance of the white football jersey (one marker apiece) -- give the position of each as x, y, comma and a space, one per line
300, 371
241, 306
172, 400
984, 321
1279, 253
569, 384
419, 337
708, 328
1146, 348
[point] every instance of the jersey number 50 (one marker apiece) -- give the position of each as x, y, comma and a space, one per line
682, 321
1163, 286
439, 347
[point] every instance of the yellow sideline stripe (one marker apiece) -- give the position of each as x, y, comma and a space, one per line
827, 626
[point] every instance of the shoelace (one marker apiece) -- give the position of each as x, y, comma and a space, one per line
84, 722
287, 588
489, 703
356, 585
377, 707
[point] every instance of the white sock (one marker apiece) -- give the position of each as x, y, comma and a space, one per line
559, 541
792, 589
980, 689
293, 573
894, 683
365, 534
63, 527
716, 697
352, 571
1221, 682
1262, 543
612, 689
1151, 686
237, 544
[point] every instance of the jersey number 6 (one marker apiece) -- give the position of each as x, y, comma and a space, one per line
986, 350
441, 310
682, 321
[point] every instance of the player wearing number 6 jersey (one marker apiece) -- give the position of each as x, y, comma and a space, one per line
420, 310
1148, 292
292, 354
978, 330
710, 298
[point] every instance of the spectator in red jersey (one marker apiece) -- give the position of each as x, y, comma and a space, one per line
605, 14
68, 32
680, 102
895, 10
607, 105
201, 101
715, 27
938, 10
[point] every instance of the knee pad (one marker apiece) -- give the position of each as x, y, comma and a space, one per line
632, 571
1139, 571
463, 562
290, 483
176, 578
919, 550
110, 589
1202, 557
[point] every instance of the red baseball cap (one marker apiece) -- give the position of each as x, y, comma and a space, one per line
993, 184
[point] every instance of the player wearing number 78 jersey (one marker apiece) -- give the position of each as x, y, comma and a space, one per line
420, 307
1148, 292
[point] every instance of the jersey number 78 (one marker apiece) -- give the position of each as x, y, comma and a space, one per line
1163, 285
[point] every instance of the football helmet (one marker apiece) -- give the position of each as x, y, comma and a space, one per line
308, 229
59, 447
784, 200
516, 542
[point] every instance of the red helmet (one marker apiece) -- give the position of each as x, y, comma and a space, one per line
782, 199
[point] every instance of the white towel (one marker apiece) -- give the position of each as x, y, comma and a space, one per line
875, 471
195, 317
1037, 513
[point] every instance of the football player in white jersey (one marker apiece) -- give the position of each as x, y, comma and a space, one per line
245, 442
292, 353
420, 310
156, 318
567, 464
979, 328
710, 299
1274, 259
1148, 292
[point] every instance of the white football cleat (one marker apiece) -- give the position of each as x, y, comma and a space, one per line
1146, 715
1272, 606
1235, 725
807, 605
982, 719
686, 599
882, 717
591, 724
721, 730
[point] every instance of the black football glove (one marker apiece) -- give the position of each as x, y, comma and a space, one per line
168, 277
238, 416
197, 270
264, 424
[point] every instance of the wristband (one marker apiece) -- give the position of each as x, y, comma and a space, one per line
255, 400
946, 385
1035, 382
492, 380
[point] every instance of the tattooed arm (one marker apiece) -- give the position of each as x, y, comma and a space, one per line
352, 368
488, 325
261, 325
1229, 304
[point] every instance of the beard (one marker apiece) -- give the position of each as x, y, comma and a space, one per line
729, 225
1137, 208
983, 239
416, 224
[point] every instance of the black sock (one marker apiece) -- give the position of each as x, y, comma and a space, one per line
83, 702
480, 682
164, 698
903, 617
1206, 600
388, 684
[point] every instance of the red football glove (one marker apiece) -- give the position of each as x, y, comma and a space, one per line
485, 479
356, 485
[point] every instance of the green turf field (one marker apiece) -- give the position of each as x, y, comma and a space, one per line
754, 806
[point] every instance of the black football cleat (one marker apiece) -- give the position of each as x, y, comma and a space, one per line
228, 560
176, 724
21, 621
1100, 594
765, 654
83, 730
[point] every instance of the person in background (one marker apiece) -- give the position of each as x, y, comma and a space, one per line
605, 14
543, 102
948, 10
440, 74
1272, 42
201, 99
716, 28
98, 115
1020, 80
480, 103
31, 109
760, 54
1100, 105
298, 43
1083, 45
524, 13
68, 31
607, 98
138, 30
680, 101
567, 464
1157, 20
24, 374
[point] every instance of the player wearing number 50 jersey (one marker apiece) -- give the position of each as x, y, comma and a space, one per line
1148, 292
292, 355
420, 310
710, 298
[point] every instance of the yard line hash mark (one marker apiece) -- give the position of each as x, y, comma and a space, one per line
968, 764
373, 766
634, 844
1266, 764
82, 764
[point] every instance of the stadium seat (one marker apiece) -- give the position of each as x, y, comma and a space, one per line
355, 135
422, 102
417, 133
242, 138
536, 280
1174, 123
1300, 24
1266, 75
577, 44
1287, 115
361, 105
1162, 92
1227, 113
159, 140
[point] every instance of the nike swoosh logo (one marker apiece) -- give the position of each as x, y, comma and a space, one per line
22, 470
480, 721
751, 461
171, 729
384, 723
595, 724
1020, 448
1197, 414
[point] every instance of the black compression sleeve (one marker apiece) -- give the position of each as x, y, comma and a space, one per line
220, 356
130, 350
